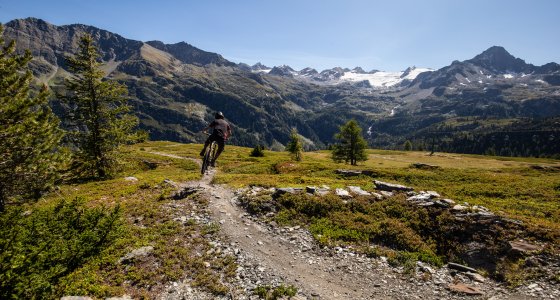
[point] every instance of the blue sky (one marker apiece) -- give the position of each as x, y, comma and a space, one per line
386, 35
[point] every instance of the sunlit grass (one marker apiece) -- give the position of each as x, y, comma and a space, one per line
508, 186
511, 187
148, 221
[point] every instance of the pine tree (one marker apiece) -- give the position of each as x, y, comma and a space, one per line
258, 151
407, 145
100, 114
294, 145
351, 144
30, 153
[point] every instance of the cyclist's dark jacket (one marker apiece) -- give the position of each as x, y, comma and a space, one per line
220, 128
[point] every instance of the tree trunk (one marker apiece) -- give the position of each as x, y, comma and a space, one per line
2, 201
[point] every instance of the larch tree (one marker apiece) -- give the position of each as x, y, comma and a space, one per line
99, 114
351, 145
295, 146
31, 155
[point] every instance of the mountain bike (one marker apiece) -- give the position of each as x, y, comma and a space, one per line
209, 156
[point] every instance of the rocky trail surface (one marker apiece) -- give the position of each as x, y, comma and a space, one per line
270, 255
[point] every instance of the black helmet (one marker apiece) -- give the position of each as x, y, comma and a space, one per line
219, 115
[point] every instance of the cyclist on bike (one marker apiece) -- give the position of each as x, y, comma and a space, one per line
220, 133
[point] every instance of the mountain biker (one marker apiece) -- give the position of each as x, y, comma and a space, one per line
220, 133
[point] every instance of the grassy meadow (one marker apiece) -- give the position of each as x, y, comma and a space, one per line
511, 187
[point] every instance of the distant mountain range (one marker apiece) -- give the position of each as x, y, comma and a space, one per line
175, 88
337, 75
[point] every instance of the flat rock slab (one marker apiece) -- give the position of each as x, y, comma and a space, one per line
136, 253
288, 190
461, 267
465, 289
124, 297
348, 172
390, 187
459, 207
321, 191
523, 247
342, 193
358, 191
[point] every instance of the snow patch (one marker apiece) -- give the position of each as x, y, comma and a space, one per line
393, 110
508, 76
262, 71
383, 79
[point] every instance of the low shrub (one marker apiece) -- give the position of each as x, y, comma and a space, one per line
392, 223
258, 151
40, 247
273, 293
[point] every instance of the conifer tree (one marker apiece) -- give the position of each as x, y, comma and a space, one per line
99, 113
294, 145
30, 153
351, 145
408, 145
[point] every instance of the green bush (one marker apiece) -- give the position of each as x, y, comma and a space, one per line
327, 232
392, 223
41, 247
280, 292
258, 151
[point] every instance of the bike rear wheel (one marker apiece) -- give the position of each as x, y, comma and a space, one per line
208, 157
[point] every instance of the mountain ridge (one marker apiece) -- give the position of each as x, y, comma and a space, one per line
176, 87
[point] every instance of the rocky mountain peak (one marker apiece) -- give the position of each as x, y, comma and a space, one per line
189, 54
308, 72
282, 70
498, 59
407, 71
358, 70
39, 23
259, 66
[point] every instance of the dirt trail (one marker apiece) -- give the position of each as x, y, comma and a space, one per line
291, 256
270, 254
281, 255
277, 254
197, 161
